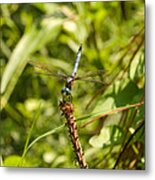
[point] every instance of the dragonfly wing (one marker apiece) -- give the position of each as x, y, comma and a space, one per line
46, 71
90, 80
99, 72
92, 77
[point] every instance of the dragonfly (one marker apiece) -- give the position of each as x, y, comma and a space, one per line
66, 91
67, 108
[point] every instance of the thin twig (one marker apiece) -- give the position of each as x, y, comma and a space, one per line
112, 112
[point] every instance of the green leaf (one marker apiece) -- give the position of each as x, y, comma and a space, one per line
12, 160
103, 138
109, 135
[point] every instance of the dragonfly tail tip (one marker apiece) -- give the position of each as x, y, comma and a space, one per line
80, 48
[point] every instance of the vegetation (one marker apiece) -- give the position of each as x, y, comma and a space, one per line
109, 105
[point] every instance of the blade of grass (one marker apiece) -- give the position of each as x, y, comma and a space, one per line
44, 135
32, 40
29, 135
27, 147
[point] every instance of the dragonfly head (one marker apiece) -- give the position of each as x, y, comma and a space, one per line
66, 93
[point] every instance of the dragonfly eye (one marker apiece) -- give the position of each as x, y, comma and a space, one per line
66, 91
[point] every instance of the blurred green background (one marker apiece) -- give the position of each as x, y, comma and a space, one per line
109, 114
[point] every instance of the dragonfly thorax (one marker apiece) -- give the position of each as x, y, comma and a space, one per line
69, 79
69, 82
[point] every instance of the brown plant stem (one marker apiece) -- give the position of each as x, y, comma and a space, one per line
67, 110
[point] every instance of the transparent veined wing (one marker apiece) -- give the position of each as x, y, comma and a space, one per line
93, 76
43, 69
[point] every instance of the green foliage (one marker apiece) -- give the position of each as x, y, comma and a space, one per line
109, 110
